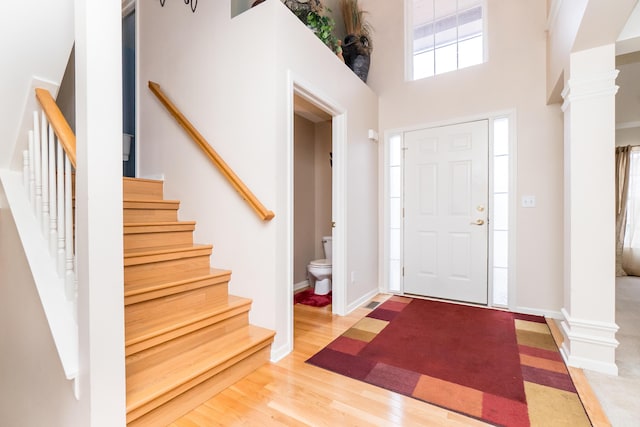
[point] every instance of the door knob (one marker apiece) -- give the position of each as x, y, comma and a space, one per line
478, 222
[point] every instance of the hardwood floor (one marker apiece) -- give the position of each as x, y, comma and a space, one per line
293, 393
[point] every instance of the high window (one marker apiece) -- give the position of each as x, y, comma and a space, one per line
445, 35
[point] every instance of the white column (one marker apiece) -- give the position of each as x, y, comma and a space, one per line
98, 50
589, 243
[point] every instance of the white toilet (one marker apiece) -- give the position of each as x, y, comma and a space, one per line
320, 270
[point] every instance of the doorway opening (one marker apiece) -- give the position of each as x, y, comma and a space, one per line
312, 164
129, 91
308, 105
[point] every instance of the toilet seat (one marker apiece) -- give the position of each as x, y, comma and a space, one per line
321, 263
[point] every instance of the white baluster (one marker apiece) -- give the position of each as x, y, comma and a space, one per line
32, 171
60, 203
44, 139
68, 227
53, 223
25, 171
37, 167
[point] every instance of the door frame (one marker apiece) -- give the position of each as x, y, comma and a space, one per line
297, 85
513, 202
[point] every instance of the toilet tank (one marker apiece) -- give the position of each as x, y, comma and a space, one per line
326, 245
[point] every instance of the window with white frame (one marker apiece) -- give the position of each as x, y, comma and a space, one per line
445, 35
500, 223
395, 213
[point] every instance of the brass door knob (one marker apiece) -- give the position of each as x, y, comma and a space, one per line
478, 222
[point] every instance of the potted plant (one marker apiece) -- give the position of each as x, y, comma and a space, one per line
310, 12
357, 45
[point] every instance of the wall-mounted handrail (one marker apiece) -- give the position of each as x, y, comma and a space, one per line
240, 187
59, 123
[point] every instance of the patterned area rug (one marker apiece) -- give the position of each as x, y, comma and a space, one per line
496, 366
307, 297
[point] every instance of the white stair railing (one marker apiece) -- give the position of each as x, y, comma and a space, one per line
47, 170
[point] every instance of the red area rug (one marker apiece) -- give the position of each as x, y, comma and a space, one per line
307, 297
496, 366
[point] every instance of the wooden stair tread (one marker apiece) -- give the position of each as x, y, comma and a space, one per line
192, 364
129, 203
163, 253
158, 325
134, 179
149, 189
146, 284
131, 253
158, 227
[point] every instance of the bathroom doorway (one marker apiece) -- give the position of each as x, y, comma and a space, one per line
305, 100
312, 181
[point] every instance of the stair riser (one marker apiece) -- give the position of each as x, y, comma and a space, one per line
199, 265
163, 307
156, 240
171, 408
133, 297
223, 323
142, 189
139, 360
149, 215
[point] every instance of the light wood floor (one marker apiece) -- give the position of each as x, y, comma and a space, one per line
293, 393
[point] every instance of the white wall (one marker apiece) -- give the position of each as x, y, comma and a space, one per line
628, 103
304, 197
34, 389
514, 77
36, 37
230, 78
312, 192
628, 96
322, 185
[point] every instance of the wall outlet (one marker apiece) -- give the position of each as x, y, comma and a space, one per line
528, 201
353, 277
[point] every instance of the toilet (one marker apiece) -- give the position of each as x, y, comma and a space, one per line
320, 270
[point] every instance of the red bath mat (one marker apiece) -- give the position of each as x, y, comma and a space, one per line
307, 297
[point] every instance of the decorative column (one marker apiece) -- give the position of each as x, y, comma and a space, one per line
589, 326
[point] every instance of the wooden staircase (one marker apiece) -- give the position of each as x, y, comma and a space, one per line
186, 338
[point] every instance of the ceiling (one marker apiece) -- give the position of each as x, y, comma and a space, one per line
309, 111
629, 39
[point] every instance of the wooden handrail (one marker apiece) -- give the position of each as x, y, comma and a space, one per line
60, 126
240, 187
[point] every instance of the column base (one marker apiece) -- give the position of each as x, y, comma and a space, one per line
589, 344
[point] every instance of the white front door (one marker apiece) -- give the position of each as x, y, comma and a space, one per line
445, 216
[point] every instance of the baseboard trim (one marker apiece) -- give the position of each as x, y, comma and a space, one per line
362, 300
281, 352
539, 312
300, 285
153, 176
589, 344
589, 364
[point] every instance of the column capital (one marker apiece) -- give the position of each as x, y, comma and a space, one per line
598, 85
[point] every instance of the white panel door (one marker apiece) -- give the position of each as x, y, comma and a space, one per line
445, 216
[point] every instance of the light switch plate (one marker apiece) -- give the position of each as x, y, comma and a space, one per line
528, 201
